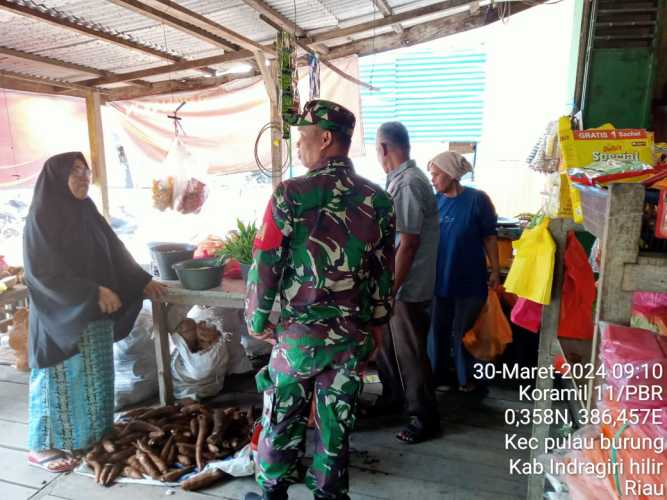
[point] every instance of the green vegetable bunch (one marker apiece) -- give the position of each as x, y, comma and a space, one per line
238, 244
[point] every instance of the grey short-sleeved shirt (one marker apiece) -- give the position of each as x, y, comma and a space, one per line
416, 213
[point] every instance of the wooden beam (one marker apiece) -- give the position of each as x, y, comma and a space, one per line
323, 59
173, 68
61, 20
320, 48
337, 70
387, 11
96, 139
49, 61
184, 14
276, 135
174, 86
276, 17
421, 33
163, 16
9, 83
45, 81
410, 15
268, 77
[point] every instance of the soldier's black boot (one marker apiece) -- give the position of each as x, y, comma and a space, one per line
278, 494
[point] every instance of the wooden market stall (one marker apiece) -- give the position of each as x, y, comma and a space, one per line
615, 217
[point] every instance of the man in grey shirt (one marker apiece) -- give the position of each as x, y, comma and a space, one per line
405, 370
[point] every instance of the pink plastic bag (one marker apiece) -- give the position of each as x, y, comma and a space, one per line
527, 314
649, 311
634, 358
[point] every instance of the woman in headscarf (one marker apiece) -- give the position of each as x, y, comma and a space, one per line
86, 291
467, 235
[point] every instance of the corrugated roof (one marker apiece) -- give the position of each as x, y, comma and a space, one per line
46, 39
437, 97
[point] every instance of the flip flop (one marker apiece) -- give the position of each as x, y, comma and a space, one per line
59, 456
416, 432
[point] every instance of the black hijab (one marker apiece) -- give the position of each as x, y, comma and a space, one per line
69, 251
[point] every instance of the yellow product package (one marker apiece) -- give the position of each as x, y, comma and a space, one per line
580, 148
557, 202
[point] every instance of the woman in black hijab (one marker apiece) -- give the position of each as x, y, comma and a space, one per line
86, 291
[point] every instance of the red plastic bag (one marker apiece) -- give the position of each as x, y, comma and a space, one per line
576, 307
527, 314
491, 334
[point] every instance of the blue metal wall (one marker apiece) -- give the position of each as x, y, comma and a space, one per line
439, 98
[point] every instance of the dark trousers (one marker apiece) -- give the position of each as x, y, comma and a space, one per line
403, 363
451, 319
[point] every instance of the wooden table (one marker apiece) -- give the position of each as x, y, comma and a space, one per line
231, 295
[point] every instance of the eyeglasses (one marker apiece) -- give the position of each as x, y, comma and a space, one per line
82, 173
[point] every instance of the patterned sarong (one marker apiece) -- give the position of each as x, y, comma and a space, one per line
72, 403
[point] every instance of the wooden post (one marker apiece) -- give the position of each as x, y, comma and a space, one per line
270, 82
163, 357
619, 246
96, 139
276, 145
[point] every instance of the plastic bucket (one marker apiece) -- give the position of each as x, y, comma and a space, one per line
168, 254
199, 274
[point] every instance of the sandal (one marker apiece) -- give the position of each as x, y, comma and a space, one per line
49, 463
416, 432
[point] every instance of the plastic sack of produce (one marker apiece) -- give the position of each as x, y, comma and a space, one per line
489, 337
199, 374
531, 274
220, 317
649, 311
527, 314
135, 364
635, 361
578, 297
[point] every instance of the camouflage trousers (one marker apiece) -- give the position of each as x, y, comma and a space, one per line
287, 406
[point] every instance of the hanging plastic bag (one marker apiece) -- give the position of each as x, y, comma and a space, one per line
527, 314
531, 274
487, 340
578, 297
163, 193
181, 186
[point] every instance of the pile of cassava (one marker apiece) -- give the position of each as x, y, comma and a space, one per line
169, 442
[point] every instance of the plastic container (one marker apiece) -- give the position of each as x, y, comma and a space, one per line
199, 274
168, 254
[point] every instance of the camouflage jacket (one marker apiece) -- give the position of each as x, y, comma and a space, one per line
326, 246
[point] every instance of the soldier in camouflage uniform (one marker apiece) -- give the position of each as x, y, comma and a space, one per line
327, 248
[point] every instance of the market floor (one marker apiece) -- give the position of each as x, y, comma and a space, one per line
468, 462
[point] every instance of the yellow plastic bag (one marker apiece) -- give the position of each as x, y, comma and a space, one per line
489, 337
532, 271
